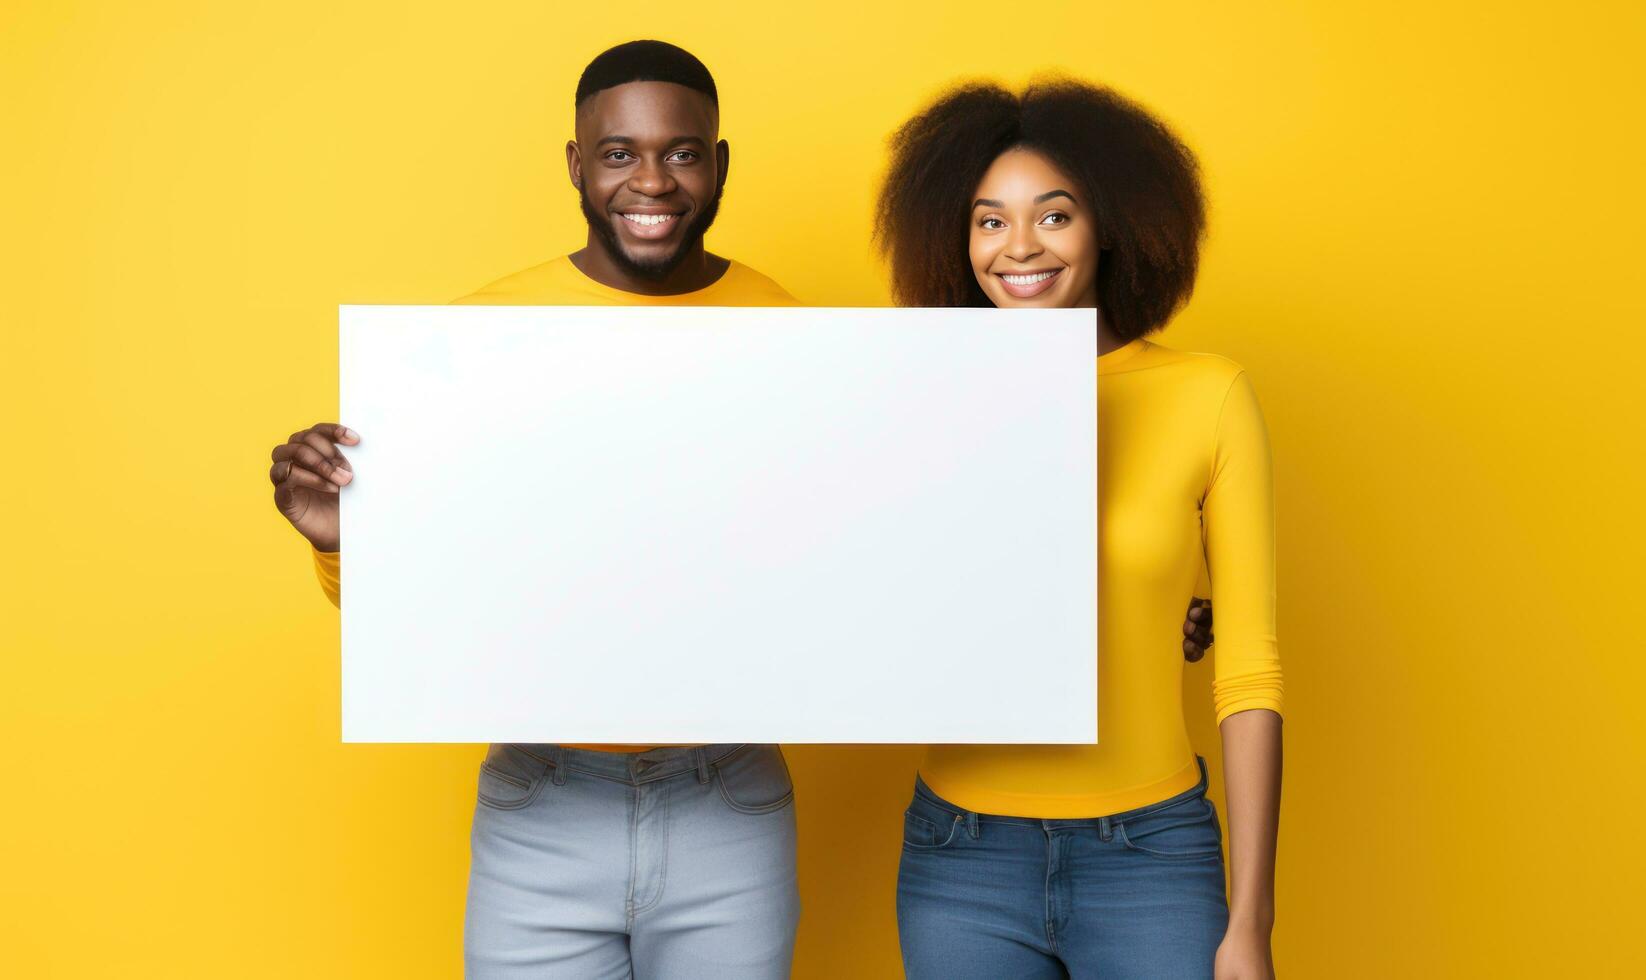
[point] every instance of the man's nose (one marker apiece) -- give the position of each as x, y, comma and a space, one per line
651, 180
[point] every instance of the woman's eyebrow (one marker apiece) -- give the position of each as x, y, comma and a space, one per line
1042, 199
987, 202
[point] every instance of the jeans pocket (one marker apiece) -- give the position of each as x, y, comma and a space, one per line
922, 834
754, 779
1186, 830
511, 776
928, 826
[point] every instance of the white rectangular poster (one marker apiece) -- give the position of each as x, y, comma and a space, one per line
681, 525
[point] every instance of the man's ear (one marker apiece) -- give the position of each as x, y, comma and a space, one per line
574, 164
722, 156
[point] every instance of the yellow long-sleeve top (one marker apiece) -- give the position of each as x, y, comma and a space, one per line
560, 283
1183, 477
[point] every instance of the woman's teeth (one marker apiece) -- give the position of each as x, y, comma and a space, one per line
1028, 280
648, 219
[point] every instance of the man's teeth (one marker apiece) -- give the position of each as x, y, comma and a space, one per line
1028, 280
649, 219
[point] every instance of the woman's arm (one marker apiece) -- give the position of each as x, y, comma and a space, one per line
1238, 513
1251, 780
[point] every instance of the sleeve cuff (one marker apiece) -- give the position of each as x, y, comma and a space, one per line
328, 568
1249, 704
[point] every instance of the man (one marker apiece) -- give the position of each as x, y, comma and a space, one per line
598, 861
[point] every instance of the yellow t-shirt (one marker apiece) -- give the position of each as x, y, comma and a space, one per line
560, 283
1183, 477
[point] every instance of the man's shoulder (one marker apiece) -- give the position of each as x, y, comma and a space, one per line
752, 287
539, 282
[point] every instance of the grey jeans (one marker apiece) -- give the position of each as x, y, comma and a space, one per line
673, 864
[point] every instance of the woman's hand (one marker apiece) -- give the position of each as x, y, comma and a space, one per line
307, 474
1244, 954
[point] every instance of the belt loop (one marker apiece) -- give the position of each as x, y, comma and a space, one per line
971, 824
557, 763
701, 756
1105, 828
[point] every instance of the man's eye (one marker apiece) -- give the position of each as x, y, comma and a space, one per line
683, 156
619, 156
1055, 218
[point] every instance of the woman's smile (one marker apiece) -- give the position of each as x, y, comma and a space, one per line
1026, 284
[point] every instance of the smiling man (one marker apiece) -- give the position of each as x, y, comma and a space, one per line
595, 861
649, 166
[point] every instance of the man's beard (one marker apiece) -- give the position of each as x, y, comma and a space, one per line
657, 269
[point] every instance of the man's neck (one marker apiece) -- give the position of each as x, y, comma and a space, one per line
698, 270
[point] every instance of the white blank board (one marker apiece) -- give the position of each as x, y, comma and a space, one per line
642, 525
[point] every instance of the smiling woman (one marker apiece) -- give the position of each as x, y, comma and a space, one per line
1101, 859
1074, 192
1021, 246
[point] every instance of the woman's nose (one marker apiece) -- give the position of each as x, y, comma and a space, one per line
1022, 245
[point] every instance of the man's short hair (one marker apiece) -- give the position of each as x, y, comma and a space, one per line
645, 61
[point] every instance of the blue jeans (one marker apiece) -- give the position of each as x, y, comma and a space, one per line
672, 864
1136, 894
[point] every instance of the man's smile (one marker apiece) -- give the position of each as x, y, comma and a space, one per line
648, 223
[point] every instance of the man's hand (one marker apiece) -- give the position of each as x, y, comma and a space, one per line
1197, 629
1244, 955
307, 474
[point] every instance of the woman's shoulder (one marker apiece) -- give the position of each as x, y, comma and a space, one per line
1199, 385
1201, 388
1190, 367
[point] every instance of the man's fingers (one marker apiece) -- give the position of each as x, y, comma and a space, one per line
335, 431
304, 456
321, 444
307, 478
328, 449
295, 451
1191, 652
301, 454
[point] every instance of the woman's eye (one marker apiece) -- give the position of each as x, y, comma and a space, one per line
992, 224
1055, 218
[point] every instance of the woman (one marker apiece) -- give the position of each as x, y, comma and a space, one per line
1101, 860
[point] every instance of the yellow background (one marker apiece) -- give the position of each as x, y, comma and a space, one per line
1425, 245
